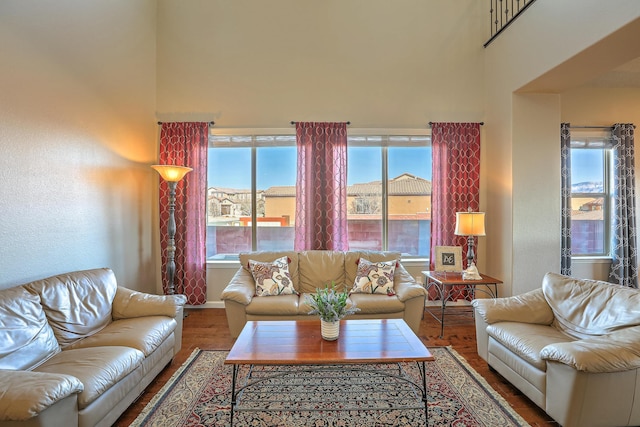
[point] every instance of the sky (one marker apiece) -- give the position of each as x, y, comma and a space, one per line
229, 166
586, 166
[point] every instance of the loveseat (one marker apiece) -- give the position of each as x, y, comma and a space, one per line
571, 346
76, 349
312, 270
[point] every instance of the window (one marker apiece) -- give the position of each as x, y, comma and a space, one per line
389, 193
251, 193
591, 161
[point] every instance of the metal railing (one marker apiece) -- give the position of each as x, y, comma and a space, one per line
503, 13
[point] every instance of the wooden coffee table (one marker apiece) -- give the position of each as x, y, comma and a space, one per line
362, 342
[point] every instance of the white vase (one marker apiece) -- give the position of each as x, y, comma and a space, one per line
330, 330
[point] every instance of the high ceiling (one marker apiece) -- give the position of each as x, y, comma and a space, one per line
626, 75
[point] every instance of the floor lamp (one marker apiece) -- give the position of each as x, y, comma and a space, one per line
172, 175
470, 224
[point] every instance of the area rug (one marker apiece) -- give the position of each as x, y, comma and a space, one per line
198, 394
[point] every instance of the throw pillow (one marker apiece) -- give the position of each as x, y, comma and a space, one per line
374, 277
272, 278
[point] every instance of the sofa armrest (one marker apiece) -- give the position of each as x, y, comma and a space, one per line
129, 304
406, 287
241, 288
615, 352
25, 394
530, 307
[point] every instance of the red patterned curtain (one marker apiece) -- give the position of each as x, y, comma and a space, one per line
185, 144
455, 181
321, 187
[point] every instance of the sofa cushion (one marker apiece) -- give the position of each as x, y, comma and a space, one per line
142, 333
282, 305
374, 277
26, 339
98, 368
272, 278
77, 304
305, 308
376, 303
586, 308
319, 269
526, 339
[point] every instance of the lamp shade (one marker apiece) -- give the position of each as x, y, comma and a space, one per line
469, 224
172, 173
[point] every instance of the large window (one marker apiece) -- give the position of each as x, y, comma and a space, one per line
591, 159
389, 193
251, 193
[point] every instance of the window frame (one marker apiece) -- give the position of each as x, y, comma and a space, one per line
590, 140
363, 137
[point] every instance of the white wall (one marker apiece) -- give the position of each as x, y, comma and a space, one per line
77, 131
601, 106
377, 63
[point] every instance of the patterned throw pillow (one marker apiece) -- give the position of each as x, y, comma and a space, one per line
374, 277
272, 278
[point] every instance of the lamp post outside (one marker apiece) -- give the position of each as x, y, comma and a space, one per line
172, 175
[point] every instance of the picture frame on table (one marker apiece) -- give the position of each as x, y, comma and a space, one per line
448, 259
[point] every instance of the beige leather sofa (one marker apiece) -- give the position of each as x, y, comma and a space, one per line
572, 347
311, 270
76, 349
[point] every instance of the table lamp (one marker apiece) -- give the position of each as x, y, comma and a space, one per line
172, 175
470, 224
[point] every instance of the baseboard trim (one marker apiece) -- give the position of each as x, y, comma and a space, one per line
208, 304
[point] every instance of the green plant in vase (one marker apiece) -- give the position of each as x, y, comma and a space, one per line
331, 306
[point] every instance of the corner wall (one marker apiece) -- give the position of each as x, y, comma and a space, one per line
77, 133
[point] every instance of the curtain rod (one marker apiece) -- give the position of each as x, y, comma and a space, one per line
594, 127
211, 123
431, 124
293, 123
590, 127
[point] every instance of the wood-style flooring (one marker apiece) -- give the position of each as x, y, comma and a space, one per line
207, 329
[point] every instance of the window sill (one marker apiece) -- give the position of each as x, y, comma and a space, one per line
235, 263
414, 262
227, 263
591, 260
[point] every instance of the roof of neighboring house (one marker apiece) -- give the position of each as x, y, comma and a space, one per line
225, 201
403, 185
597, 215
229, 190
281, 191
576, 202
595, 202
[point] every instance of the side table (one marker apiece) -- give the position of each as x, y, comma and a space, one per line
445, 282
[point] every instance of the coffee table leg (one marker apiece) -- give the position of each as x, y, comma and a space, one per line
233, 392
423, 372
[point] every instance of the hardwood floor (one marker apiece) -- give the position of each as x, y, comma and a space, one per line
207, 329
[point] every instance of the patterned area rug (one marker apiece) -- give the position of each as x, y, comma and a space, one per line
198, 394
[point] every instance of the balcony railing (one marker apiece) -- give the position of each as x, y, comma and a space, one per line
503, 13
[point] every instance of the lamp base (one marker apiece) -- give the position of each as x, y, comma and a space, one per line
471, 273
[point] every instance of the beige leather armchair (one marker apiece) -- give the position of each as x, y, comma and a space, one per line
572, 347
